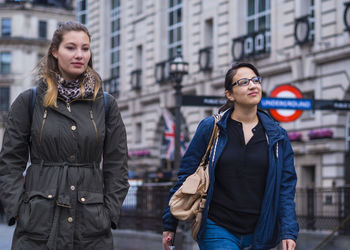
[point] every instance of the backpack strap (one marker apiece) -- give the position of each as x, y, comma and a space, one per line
32, 103
107, 105
33, 98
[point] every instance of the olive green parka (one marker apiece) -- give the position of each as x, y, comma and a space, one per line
71, 194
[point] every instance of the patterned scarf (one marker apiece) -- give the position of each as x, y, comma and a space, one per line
70, 90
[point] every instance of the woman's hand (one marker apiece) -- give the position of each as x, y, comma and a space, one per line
167, 239
287, 244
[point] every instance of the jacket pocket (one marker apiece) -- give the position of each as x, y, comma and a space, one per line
94, 217
36, 213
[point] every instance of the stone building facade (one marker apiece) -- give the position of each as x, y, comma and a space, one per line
303, 43
26, 30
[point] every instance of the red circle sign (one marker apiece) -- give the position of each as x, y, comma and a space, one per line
286, 115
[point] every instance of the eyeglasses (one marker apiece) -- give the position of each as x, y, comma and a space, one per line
245, 81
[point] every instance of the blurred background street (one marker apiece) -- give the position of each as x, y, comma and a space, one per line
6, 233
300, 43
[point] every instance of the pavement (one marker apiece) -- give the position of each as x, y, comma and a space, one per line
6, 233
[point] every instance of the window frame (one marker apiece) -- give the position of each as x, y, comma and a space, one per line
4, 99
257, 15
347, 133
4, 63
173, 29
42, 29
6, 27
82, 12
115, 16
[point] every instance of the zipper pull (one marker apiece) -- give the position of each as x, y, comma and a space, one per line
68, 106
91, 115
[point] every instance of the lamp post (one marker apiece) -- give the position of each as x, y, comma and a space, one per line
177, 69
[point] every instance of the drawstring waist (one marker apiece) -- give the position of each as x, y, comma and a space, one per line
62, 164
63, 197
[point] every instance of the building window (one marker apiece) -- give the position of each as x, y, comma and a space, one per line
5, 27
348, 134
138, 132
258, 15
136, 75
312, 20
208, 33
5, 62
308, 176
205, 55
43, 29
139, 57
4, 99
115, 38
82, 11
139, 7
257, 41
174, 27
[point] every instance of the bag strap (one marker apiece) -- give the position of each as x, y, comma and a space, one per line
32, 103
107, 105
214, 135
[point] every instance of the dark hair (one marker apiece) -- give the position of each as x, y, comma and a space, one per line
228, 80
49, 66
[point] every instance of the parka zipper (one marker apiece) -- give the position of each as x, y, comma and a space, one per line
274, 147
68, 106
42, 124
94, 123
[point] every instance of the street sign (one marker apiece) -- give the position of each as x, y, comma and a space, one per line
331, 105
290, 92
194, 100
283, 105
286, 103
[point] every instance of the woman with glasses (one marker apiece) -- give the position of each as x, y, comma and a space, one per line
250, 201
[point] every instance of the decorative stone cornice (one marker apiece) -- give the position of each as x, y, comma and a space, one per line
24, 41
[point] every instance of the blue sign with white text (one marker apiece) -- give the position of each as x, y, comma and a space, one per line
286, 103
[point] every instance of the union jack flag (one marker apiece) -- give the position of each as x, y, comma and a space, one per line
169, 135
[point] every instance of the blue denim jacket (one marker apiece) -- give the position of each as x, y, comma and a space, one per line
277, 220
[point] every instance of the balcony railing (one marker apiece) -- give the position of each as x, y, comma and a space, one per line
304, 29
135, 80
205, 59
161, 72
111, 85
251, 45
346, 16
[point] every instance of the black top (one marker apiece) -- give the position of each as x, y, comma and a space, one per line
240, 177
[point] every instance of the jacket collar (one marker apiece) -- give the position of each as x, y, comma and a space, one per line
273, 130
43, 86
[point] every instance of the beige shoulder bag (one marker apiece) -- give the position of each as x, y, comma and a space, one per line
188, 201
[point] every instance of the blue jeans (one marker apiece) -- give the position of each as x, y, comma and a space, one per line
218, 238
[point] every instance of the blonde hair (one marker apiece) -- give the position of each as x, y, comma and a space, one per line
48, 68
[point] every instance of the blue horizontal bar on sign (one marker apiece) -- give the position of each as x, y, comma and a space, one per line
286, 103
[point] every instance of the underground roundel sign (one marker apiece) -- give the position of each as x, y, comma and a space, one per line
286, 115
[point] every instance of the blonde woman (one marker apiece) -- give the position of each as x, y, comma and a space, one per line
66, 200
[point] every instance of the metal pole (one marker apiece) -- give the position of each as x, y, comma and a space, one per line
178, 96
